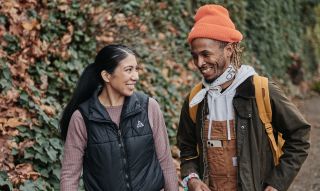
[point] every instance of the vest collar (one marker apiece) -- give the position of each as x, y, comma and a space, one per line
97, 111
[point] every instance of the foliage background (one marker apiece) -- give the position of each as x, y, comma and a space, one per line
45, 45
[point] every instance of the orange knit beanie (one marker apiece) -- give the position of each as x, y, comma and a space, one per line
213, 21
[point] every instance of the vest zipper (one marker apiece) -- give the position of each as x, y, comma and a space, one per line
124, 159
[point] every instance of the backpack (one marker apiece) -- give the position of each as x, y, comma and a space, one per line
265, 113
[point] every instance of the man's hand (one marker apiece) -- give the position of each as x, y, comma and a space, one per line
270, 188
195, 184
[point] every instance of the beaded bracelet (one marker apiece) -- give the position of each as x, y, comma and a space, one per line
186, 180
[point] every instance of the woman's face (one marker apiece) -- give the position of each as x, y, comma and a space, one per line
124, 78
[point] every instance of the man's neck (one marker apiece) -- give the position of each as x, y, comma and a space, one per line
226, 85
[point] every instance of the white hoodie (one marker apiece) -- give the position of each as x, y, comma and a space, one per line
220, 104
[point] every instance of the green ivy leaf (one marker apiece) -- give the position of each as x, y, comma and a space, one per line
28, 186
29, 153
4, 180
24, 98
43, 158
56, 143
52, 153
56, 172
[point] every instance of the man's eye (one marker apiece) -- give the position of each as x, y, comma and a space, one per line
205, 55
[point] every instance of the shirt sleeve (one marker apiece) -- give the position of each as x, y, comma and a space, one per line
74, 147
162, 145
187, 143
288, 120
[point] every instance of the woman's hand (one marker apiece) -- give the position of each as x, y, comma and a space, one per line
195, 184
270, 188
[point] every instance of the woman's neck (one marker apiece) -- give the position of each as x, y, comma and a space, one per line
109, 98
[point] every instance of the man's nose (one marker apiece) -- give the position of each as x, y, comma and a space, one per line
199, 61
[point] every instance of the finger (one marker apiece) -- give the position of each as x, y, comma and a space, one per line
204, 187
270, 188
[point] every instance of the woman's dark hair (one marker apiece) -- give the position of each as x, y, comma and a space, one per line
108, 58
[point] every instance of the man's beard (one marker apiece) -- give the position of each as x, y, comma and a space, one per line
224, 66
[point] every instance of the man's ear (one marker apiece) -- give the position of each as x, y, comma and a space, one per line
105, 76
228, 50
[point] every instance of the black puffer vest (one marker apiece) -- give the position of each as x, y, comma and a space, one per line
120, 158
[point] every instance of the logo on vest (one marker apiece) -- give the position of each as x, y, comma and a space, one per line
139, 124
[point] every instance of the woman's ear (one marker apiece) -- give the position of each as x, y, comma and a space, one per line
105, 76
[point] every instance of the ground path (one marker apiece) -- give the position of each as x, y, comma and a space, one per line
308, 178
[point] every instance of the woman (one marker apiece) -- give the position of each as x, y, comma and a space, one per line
115, 135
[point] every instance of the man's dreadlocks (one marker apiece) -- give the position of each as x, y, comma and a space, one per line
235, 59
236, 54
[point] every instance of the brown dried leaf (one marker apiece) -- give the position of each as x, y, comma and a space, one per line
25, 144
172, 29
24, 168
33, 175
143, 28
120, 19
12, 132
35, 122
70, 28
19, 69
48, 110
163, 5
15, 30
66, 39
2, 30
3, 120
6, 159
105, 39
13, 122
63, 7
12, 95
9, 4
161, 36
44, 80
37, 49
3, 54
29, 82
21, 173
165, 72
16, 112
30, 25
11, 144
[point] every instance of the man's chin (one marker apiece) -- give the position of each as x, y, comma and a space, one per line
209, 81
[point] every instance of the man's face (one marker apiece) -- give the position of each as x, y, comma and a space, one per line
210, 58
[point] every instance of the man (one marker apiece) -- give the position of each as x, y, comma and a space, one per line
227, 147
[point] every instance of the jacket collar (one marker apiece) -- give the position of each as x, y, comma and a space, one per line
97, 111
246, 89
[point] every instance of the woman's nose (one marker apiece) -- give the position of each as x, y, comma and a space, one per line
135, 75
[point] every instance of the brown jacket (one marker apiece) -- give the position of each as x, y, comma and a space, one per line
256, 168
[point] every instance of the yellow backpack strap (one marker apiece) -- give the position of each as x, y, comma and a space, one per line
193, 110
265, 112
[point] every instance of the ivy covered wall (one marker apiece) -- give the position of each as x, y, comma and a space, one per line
46, 44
